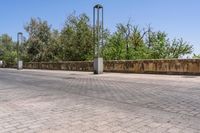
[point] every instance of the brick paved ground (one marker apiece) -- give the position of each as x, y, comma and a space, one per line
75, 102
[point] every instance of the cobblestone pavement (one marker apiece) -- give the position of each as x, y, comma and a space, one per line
80, 102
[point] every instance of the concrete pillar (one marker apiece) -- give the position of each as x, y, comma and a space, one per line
20, 65
1, 63
98, 66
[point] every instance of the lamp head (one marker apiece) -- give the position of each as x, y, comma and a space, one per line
98, 6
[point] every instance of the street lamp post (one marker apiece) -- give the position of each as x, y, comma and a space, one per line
19, 42
98, 14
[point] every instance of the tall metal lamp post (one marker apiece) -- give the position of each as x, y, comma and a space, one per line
19, 42
98, 14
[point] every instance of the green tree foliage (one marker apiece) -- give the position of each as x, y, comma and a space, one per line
75, 43
7, 49
115, 47
162, 48
179, 48
38, 45
196, 56
129, 42
76, 39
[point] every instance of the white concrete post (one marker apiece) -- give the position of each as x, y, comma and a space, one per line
20, 65
98, 66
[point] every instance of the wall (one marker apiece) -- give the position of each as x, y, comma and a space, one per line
181, 66
69, 65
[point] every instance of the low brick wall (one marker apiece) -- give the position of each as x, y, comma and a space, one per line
176, 66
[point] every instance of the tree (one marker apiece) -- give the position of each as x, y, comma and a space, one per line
126, 43
75, 43
158, 45
56, 47
38, 44
195, 56
115, 48
129, 42
162, 48
7, 49
76, 39
179, 48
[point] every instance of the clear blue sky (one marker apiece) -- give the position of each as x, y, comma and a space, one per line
179, 18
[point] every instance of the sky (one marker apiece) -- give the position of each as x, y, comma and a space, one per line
178, 18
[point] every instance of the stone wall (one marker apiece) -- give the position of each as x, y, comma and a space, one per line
181, 66
69, 65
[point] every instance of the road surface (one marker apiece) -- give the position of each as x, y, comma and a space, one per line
80, 102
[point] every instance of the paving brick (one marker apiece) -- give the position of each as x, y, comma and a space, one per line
33, 101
